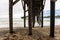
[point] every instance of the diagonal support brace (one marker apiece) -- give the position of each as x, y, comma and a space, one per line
15, 2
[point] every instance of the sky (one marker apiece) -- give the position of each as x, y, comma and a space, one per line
18, 10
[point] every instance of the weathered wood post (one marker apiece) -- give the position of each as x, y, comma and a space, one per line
30, 17
11, 3
42, 20
52, 17
33, 17
42, 14
24, 15
11, 16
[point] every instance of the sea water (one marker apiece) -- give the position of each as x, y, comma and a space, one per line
18, 22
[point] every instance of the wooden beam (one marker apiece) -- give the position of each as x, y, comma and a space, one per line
30, 17
52, 18
11, 16
53, 0
15, 2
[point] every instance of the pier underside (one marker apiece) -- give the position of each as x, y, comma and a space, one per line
34, 9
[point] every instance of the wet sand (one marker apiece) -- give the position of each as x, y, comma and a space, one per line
38, 33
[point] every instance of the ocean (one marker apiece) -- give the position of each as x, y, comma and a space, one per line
18, 22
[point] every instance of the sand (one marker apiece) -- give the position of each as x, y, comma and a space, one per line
38, 33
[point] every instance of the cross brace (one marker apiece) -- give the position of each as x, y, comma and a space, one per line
15, 2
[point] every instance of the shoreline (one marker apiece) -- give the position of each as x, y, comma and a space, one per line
20, 23
27, 26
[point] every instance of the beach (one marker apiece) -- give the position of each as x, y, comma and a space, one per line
21, 33
38, 33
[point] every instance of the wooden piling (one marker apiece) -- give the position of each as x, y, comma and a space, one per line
24, 15
42, 14
11, 16
52, 18
42, 20
30, 17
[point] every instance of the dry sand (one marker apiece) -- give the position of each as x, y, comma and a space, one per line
38, 33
